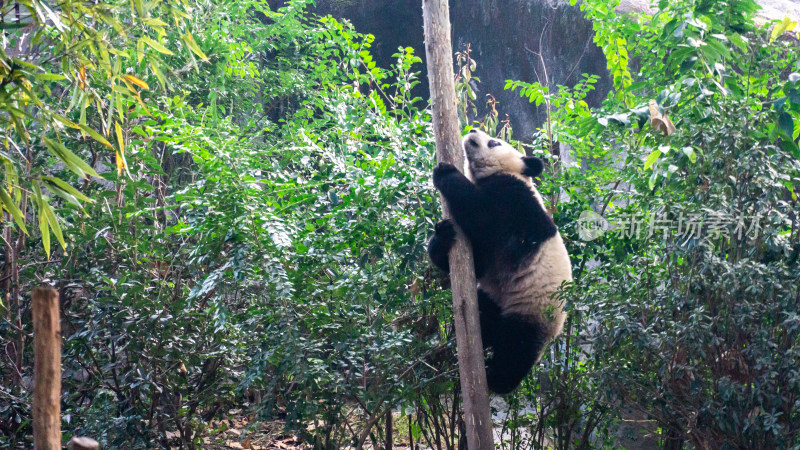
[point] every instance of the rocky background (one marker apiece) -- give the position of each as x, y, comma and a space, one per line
527, 40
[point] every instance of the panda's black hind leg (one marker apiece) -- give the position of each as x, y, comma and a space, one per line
444, 235
516, 345
490, 319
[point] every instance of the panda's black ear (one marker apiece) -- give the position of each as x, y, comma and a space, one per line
533, 166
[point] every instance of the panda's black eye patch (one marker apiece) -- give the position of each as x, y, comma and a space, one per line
494, 143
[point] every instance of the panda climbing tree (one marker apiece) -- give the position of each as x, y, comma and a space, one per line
439, 55
520, 260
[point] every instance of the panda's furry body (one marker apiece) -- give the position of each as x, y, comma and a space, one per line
520, 258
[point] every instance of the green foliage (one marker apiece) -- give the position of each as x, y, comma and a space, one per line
87, 82
263, 239
696, 332
260, 245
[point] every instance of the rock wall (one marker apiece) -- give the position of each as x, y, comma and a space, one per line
525, 40
510, 39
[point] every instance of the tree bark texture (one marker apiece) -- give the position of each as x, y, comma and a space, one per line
439, 52
46, 370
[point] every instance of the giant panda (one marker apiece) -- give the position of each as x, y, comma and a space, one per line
520, 258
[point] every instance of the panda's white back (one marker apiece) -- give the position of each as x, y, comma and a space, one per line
532, 290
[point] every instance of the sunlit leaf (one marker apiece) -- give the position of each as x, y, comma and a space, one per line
784, 25
12, 208
49, 77
154, 65
82, 77
157, 46
136, 81
189, 40
652, 158
690, 153
121, 163
155, 22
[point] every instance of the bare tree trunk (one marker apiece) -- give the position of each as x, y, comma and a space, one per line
389, 432
439, 51
46, 370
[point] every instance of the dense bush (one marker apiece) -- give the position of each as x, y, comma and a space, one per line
684, 312
261, 243
265, 240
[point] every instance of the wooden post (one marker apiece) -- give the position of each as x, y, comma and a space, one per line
46, 370
439, 52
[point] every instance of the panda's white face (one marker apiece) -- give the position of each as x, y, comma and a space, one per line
487, 155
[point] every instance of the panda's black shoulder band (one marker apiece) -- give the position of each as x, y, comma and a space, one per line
533, 166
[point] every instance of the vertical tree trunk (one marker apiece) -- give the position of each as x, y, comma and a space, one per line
46, 370
411, 433
389, 438
439, 51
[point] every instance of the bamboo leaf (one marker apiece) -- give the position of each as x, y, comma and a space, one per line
65, 195
189, 40
49, 77
139, 51
66, 121
111, 104
82, 77
136, 81
120, 139
57, 151
121, 163
141, 103
109, 19
70, 159
97, 136
12, 208
55, 18
160, 75
13, 26
51, 219
154, 22
43, 227
68, 188
157, 46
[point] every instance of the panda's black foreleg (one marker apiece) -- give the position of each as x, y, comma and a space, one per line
462, 197
516, 344
444, 235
